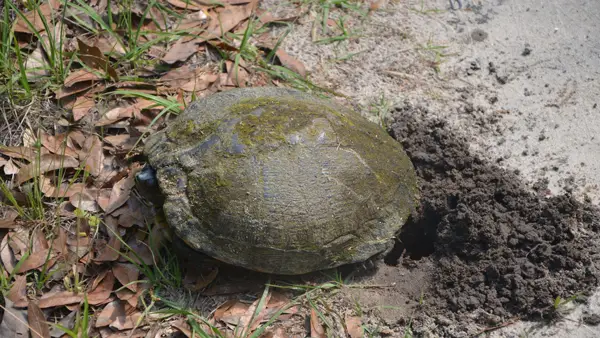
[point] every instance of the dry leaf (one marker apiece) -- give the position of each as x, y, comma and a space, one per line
194, 282
84, 200
57, 144
67, 321
231, 312
120, 193
142, 252
181, 50
249, 319
47, 10
316, 329
8, 221
91, 155
39, 241
127, 275
187, 4
199, 83
103, 289
81, 75
79, 87
66, 190
354, 327
82, 106
93, 58
110, 252
10, 168
236, 76
37, 65
25, 153
47, 162
36, 260
115, 115
114, 314
37, 321
109, 45
18, 292
59, 298
14, 323
226, 20
19, 241
290, 62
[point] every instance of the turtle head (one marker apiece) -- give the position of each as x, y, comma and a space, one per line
146, 183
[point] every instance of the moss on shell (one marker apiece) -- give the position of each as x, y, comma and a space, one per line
286, 183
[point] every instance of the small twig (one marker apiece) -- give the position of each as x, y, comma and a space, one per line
494, 328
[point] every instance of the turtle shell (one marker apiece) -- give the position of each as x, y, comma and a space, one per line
279, 181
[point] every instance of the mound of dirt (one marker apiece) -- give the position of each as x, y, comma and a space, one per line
496, 244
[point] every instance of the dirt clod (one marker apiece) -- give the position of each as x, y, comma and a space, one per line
497, 245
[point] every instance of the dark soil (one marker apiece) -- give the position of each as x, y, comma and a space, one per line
496, 244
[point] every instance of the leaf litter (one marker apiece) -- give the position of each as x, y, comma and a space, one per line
114, 92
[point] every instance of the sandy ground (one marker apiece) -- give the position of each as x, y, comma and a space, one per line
519, 78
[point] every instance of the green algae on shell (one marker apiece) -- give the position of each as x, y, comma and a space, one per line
279, 181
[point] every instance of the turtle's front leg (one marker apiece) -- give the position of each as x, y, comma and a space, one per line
459, 2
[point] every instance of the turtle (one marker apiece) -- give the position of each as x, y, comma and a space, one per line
279, 181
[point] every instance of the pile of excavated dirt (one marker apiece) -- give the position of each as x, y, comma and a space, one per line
495, 244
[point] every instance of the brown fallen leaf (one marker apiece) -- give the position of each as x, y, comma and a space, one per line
65, 190
127, 275
106, 332
46, 163
354, 327
34, 17
193, 282
37, 65
38, 241
199, 83
115, 316
120, 193
59, 298
25, 153
18, 291
76, 88
226, 19
181, 51
109, 45
57, 144
36, 260
115, 115
290, 62
143, 254
82, 106
19, 241
81, 75
229, 309
278, 332
84, 200
37, 321
316, 329
91, 155
110, 252
266, 17
8, 221
10, 168
93, 58
103, 290
189, 4
254, 315
236, 75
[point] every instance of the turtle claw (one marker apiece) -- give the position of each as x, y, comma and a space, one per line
458, 2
